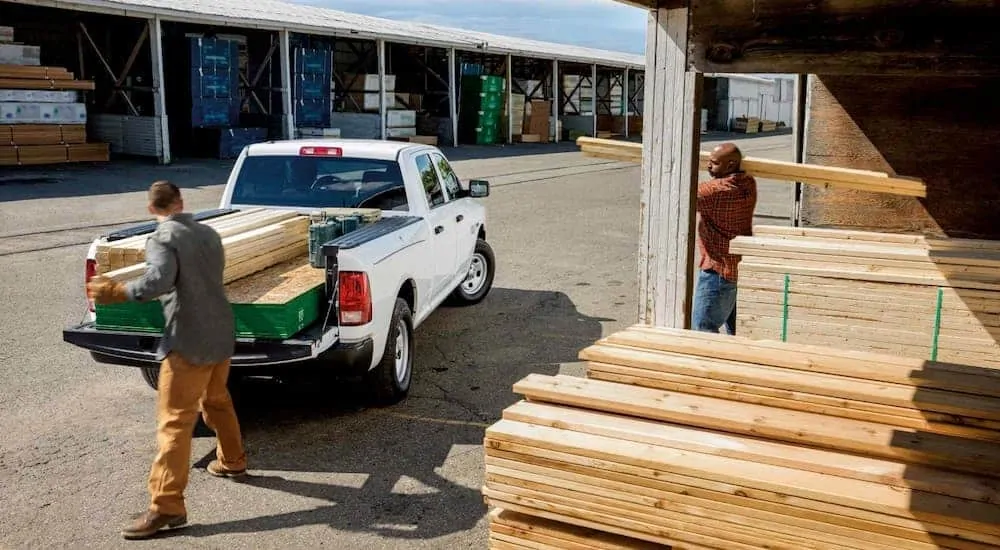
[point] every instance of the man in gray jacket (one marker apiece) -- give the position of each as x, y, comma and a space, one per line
185, 262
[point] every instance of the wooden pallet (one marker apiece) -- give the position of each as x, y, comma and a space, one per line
698, 440
900, 294
29, 155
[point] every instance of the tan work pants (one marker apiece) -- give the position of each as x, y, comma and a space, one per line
183, 387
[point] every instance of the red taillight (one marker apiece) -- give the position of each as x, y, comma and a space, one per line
355, 299
91, 271
321, 151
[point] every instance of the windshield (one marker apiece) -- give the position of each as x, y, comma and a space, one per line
319, 182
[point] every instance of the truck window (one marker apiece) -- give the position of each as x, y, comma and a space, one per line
429, 178
317, 182
451, 182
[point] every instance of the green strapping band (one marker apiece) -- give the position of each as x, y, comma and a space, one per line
784, 314
937, 324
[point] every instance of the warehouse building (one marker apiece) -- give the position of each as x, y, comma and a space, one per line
181, 78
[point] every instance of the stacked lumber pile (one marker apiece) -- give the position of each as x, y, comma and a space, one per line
847, 178
704, 441
899, 294
254, 240
42, 120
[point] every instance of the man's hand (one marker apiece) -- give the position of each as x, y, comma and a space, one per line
102, 291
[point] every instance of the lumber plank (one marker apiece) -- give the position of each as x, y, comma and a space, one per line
524, 525
776, 377
811, 429
738, 492
45, 84
687, 438
820, 359
974, 519
277, 284
796, 401
923, 241
596, 480
864, 180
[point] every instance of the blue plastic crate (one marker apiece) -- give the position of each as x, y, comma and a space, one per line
209, 112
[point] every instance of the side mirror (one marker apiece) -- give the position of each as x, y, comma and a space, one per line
479, 188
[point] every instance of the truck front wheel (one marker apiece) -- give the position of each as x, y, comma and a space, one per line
389, 380
479, 279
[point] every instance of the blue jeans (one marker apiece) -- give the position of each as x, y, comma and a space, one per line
714, 303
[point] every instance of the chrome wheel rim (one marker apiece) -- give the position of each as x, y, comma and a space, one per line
402, 352
475, 279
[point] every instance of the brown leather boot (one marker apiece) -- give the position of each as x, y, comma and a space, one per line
218, 470
149, 523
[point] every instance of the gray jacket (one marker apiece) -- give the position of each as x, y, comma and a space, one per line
185, 262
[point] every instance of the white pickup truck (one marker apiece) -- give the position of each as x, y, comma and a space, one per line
382, 280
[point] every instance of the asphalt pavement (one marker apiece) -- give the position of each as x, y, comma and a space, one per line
77, 438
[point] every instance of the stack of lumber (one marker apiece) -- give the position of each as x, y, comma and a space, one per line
254, 240
745, 125
705, 441
42, 120
514, 531
898, 294
847, 178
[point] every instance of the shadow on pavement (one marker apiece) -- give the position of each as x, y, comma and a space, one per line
392, 471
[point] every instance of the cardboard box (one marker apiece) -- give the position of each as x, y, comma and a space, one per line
401, 132
399, 119
15, 54
319, 132
367, 82
369, 101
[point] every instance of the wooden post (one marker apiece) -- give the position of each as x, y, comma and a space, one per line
593, 95
452, 99
669, 173
626, 100
556, 99
802, 97
510, 100
287, 59
381, 89
159, 86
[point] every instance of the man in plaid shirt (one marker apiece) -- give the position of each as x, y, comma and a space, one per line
725, 209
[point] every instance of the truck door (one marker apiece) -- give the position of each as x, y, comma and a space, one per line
467, 235
444, 230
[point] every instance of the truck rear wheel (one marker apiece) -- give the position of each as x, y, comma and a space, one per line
152, 376
389, 380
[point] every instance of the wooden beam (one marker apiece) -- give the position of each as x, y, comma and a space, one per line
901, 37
159, 87
556, 99
285, 49
669, 174
452, 99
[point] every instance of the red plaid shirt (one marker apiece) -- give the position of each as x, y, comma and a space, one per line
725, 208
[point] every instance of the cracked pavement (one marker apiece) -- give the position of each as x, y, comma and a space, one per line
77, 438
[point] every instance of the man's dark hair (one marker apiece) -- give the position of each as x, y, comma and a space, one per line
163, 194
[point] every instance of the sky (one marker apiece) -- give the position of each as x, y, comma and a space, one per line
603, 24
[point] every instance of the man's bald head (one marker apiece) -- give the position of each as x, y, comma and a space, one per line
724, 160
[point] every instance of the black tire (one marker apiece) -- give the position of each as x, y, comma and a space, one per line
473, 290
152, 376
386, 385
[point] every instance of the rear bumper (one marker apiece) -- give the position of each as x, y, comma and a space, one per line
133, 349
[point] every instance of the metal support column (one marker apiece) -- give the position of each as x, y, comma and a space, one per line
288, 117
593, 95
510, 100
626, 100
159, 87
381, 89
452, 99
556, 99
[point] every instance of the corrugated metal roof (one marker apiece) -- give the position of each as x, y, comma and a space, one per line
276, 15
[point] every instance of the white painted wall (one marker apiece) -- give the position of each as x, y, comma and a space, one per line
753, 97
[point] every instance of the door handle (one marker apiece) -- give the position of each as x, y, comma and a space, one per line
459, 218
438, 230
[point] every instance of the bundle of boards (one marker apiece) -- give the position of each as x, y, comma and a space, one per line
274, 290
846, 178
891, 293
703, 441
